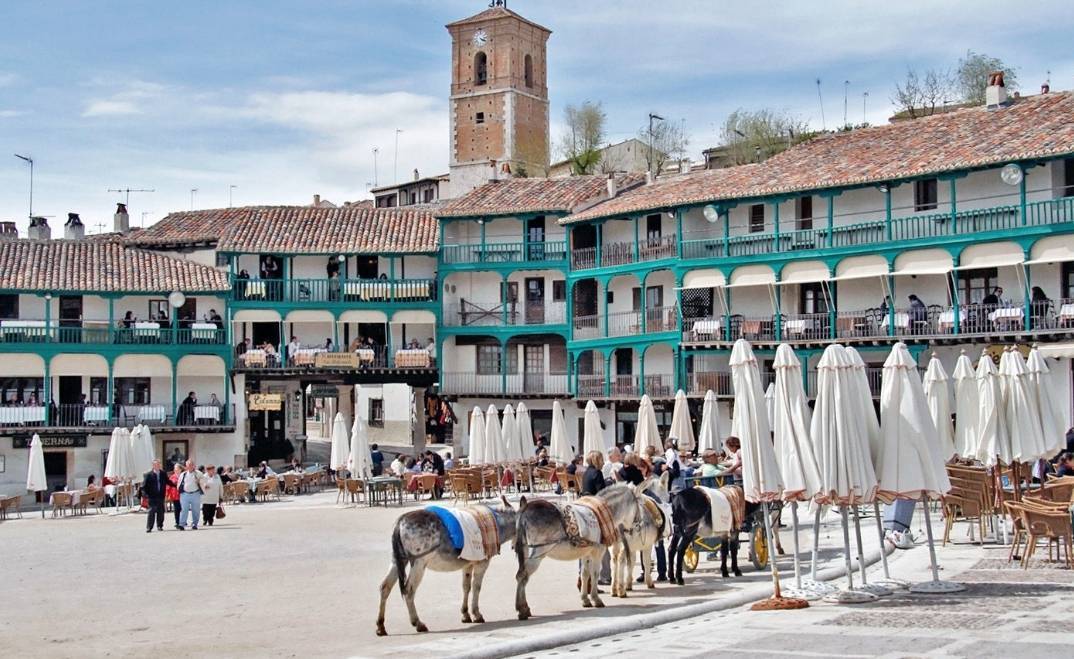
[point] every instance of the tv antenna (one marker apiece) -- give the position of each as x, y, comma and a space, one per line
127, 193
823, 124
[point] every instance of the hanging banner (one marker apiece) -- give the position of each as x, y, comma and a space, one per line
65, 441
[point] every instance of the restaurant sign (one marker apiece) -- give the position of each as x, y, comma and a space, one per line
323, 391
265, 402
336, 360
63, 441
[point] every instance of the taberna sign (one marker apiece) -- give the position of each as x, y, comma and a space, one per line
323, 391
62, 441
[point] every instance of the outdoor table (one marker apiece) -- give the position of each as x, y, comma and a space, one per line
902, 320
365, 354
23, 327
412, 358
305, 356
151, 413
207, 413
1066, 313
382, 490
254, 357
709, 328
203, 331
368, 290
800, 326
95, 414
26, 414
1006, 316
147, 330
254, 289
947, 319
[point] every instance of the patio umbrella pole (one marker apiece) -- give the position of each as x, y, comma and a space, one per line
887, 580
850, 595
936, 586
816, 546
777, 602
846, 547
874, 588
797, 559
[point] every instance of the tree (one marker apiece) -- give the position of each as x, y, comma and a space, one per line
920, 95
971, 77
754, 135
583, 136
667, 139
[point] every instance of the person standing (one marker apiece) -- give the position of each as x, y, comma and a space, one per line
593, 482
212, 486
171, 492
190, 493
154, 488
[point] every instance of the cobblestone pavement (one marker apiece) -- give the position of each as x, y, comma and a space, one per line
1005, 611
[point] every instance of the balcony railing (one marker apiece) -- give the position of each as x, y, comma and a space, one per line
698, 383
499, 253
627, 323
625, 386
874, 374
591, 386
623, 253
935, 225
495, 384
468, 313
319, 291
99, 333
104, 416
316, 357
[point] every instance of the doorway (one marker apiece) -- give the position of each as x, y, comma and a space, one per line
368, 267
265, 332
533, 373
70, 400
55, 471
535, 239
535, 300
70, 318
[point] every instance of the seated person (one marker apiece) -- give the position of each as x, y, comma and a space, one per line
1065, 465
733, 465
264, 470
710, 468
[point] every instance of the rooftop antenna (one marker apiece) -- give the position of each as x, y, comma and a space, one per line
230, 192
376, 150
823, 124
864, 101
846, 89
144, 213
100, 227
127, 193
29, 160
193, 192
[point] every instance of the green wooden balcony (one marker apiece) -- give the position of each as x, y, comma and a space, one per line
30, 331
495, 254
334, 291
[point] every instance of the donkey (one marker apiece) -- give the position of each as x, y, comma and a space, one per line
644, 536
691, 511
542, 533
421, 541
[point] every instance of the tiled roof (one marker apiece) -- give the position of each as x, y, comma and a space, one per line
534, 195
100, 265
1032, 127
350, 230
192, 227
492, 13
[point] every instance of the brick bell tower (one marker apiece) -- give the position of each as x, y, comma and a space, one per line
499, 98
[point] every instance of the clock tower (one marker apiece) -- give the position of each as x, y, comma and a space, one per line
499, 98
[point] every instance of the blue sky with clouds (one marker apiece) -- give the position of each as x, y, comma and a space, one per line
284, 99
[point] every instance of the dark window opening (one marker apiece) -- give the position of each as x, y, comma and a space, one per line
976, 284
624, 361
756, 218
803, 211
132, 391
22, 391
1067, 283
481, 68
652, 230
529, 71
222, 260
376, 412
635, 298
479, 118
925, 194
559, 291
1068, 177
811, 298
9, 306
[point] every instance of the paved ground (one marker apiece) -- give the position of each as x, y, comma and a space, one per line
291, 578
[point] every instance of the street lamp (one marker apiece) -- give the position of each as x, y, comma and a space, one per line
31, 161
658, 118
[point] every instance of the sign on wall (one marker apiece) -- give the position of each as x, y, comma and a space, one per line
336, 360
65, 441
265, 402
323, 391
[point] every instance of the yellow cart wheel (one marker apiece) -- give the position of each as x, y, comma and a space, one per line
689, 559
758, 547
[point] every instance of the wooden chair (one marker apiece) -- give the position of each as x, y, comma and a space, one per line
341, 489
466, 485
426, 484
61, 501
542, 478
966, 502
267, 488
91, 499
355, 489
236, 492
292, 483
10, 504
1050, 524
1059, 490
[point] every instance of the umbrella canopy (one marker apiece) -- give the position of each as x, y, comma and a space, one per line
525, 430
359, 460
967, 409
512, 444
682, 431
36, 481
1021, 410
938, 394
860, 390
847, 476
560, 449
647, 433
118, 465
911, 464
494, 451
992, 438
790, 429
709, 437
141, 450
340, 442
761, 480
1050, 417
592, 435
770, 402
477, 452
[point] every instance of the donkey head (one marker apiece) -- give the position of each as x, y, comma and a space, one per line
658, 487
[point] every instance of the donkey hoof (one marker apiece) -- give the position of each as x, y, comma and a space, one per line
738, 573
586, 604
466, 617
381, 631
479, 618
680, 582
598, 603
650, 585
524, 614
725, 574
421, 627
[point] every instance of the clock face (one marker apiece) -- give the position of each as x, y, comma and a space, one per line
481, 38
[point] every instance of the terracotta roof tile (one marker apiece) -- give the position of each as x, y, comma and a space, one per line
492, 13
100, 265
189, 227
534, 195
1032, 127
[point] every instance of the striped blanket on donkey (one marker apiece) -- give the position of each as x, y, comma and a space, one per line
473, 531
728, 508
588, 521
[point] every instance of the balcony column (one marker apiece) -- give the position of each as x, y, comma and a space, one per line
637, 246
779, 310
571, 385
1022, 198
678, 233
678, 359
503, 366
599, 248
833, 315
887, 211
568, 311
391, 276
830, 238
956, 306
47, 387
726, 231
111, 318
678, 305
1027, 294
641, 372
335, 332
727, 314
891, 307
440, 364
604, 291
505, 296
481, 223
954, 206
642, 303
287, 292
389, 357
775, 227
608, 375
110, 394
175, 388
48, 319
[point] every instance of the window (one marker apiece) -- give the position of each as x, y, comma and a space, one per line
654, 297
512, 291
98, 391
1066, 286
488, 360
413, 198
479, 118
610, 296
132, 391
376, 412
1068, 177
803, 211
925, 195
756, 218
16, 391
529, 70
976, 284
222, 260
652, 230
158, 309
559, 291
811, 298
635, 298
624, 361
481, 68
427, 196
9, 306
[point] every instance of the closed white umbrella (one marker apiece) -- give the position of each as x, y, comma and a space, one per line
592, 434
967, 409
1021, 412
36, 480
647, 433
117, 466
560, 449
682, 431
938, 394
1043, 389
709, 438
340, 442
511, 442
794, 450
141, 451
359, 459
911, 465
525, 429
993, 441
494, 452
477, 453
770, 402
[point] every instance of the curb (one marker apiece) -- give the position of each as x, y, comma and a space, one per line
636, 622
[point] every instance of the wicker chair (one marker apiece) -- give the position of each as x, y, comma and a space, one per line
292, 483
61, 502
268, 487
355, 489
341, 489
466, 485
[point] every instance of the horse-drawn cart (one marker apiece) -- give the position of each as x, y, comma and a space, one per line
752, 528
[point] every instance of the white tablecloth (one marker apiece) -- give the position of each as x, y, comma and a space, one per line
30, 414
255, 289
799, 326
1066, 312
206, 413
1009, 313
203, 331
707, 327
365, 354
254, 356
151, 413
147, 329
305, 356
947, 318
14, 326
412, 358
902, 320
96, 414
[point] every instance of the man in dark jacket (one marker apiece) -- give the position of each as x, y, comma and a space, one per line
592, 483
153, 488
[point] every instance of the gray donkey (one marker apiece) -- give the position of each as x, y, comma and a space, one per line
542, 533
421, 541
642, 538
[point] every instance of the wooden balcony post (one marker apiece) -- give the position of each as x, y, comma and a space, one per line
726, 231
604, 292
599, 249
175, 389
641, 371
887, 211
954, 207
1027, 295
637, 247
678, 233
608, 375
831, 220
110, 395
1022, 198
776, 247
643, 303
779, 310
956, 320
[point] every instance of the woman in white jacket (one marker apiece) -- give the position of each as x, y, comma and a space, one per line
212, 487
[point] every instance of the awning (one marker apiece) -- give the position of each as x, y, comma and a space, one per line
1056, 350
255, 316
710, 278
415, 317
310, 316
752, 275
991, 255
805, 272
924, 262
1054, 249
363, 316
861, 267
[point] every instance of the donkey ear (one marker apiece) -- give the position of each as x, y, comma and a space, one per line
506, 503
522, 504
664, 479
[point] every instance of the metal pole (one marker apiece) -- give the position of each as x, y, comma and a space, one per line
771, 550
816, 546
846, 547
880, 532
797, 559
932, 546
29, 160
861, 552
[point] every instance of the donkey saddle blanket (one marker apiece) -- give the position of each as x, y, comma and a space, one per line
588, 521
473, 531
727, 508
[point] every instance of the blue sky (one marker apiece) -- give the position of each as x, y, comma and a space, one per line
287, 98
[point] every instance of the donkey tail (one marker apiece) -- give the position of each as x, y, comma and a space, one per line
399, 556
520, 542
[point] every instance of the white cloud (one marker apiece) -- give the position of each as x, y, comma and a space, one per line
134, 97
7, 114
110, 109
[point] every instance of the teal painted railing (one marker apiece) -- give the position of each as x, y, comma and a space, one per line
317, 291
90, 415
92, 333
496, 253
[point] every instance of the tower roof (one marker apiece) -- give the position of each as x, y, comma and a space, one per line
493, 13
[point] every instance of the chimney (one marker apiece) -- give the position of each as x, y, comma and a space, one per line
39, 229
1045, 88
8, 231
649, 178
613, 188
316, 201
996, 92
73, 229
121, 221
416, 175
684, 166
